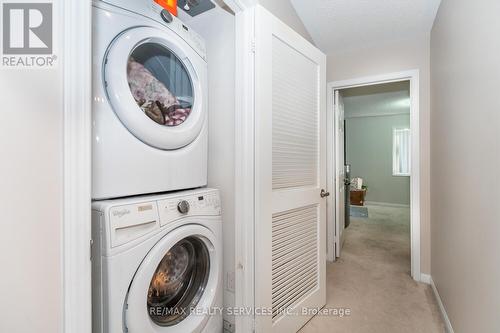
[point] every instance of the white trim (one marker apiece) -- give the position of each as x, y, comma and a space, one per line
338, 138
442, 309
239, 5
376, 79
425, 278
77, 76
386, 204
413, 77
376, 114
244, 168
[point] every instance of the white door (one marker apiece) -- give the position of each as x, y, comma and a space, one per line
340, 173
290, 172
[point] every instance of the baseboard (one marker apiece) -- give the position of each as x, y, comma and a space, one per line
447, 323
425, 278
386, 204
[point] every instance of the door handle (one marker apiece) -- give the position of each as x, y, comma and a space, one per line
324, 194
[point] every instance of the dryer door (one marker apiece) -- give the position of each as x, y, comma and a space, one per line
175, 286
154, 82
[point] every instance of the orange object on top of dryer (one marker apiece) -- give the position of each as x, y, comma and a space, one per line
170, 5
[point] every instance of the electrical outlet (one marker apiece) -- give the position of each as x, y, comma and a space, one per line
228, 327
230, 281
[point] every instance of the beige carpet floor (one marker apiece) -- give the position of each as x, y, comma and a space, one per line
372, 279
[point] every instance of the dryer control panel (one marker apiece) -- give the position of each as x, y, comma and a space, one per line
152, 10
180, 28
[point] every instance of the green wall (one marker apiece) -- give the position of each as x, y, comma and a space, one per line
369, 151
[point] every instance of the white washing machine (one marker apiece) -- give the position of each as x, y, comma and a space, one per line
150, 101
157, 264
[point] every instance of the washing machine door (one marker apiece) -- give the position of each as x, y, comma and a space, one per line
175, 286
154, 82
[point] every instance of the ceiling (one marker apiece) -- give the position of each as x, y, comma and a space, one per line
349, 24
381, 99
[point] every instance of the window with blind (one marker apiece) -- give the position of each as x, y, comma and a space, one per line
401, 152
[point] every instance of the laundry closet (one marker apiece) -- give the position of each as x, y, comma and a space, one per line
163, 166
208, 169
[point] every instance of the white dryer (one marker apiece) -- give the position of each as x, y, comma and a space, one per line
157, 264
150, 101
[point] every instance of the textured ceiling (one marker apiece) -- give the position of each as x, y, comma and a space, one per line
381, 99
337, 25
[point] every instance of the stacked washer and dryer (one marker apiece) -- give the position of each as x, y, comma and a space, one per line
157, 247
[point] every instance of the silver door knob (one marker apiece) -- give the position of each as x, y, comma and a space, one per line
183, 207
324, 194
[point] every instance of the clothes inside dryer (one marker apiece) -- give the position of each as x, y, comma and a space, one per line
160, 84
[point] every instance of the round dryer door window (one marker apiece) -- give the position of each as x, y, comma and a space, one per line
155, 81
160, 84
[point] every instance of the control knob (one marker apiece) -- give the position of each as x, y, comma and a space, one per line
183, 207
166, 16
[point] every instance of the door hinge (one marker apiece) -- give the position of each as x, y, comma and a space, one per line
91, 246
252, 46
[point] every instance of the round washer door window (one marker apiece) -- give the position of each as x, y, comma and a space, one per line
178, 282
152, 79
179, 275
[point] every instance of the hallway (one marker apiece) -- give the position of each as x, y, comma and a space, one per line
372, 279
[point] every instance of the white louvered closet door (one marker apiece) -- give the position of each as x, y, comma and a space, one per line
290, 172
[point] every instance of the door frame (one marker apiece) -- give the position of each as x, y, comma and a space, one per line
333, 201
77, 127
413, 77
244, 191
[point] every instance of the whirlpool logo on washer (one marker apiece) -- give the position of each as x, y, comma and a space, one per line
121, 212
28, 35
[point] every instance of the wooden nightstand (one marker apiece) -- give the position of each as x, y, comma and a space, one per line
358, 197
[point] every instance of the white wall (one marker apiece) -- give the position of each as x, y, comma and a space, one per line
465, 72
387, 58
218, 28
284, 10
30, 199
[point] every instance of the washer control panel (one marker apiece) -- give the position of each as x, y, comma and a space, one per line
129, 222
128, 219
200, 204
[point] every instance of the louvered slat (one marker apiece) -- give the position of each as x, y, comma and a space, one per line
294, 257
295, 118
